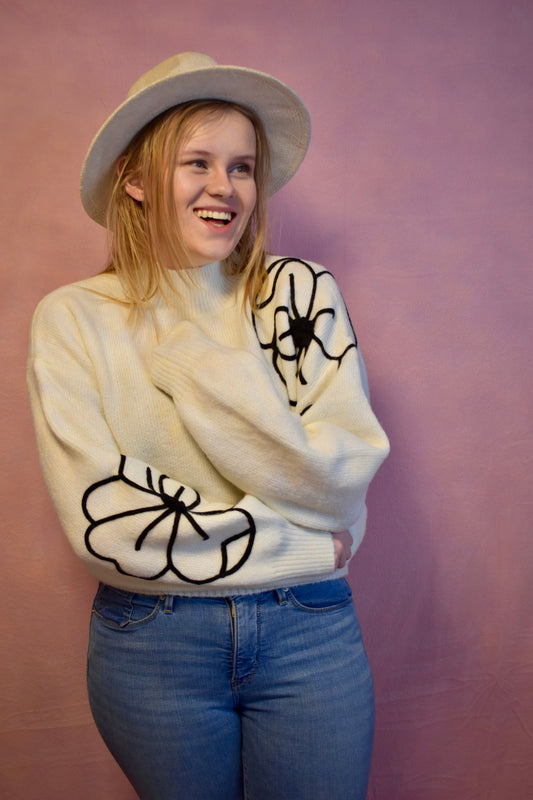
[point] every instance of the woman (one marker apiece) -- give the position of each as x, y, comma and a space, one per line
204, 429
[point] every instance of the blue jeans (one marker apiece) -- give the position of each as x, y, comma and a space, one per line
265, 697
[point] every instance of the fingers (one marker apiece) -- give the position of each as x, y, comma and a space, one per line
342, 542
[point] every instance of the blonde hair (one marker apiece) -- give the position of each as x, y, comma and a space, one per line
145, 237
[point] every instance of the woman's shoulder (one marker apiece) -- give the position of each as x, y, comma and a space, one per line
89, 291
291, 277
276, 263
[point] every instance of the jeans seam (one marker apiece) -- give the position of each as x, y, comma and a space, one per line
244, 776
127, 623
318, 609
235, 683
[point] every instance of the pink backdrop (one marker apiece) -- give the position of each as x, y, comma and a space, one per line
417, 194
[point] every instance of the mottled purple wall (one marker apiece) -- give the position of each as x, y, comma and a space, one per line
417, 194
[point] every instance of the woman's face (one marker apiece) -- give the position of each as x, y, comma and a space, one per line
214, 186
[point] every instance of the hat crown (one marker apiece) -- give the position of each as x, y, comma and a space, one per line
175, 65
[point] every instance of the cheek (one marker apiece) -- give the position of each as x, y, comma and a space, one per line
251, 199
184, 190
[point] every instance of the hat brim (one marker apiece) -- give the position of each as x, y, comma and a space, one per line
285, 119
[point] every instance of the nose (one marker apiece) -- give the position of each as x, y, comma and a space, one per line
220, 184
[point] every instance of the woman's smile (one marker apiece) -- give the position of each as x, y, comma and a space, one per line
218, 217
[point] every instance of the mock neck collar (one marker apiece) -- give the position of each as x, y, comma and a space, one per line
204, 288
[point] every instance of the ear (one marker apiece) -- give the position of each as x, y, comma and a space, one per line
135, 189
134, 186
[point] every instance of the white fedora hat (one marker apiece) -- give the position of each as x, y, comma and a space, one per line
194, 76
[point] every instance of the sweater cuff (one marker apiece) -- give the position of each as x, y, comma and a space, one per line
175, 360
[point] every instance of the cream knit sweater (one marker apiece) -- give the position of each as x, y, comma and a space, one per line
202, 450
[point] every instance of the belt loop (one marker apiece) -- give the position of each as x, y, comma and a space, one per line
282, 596
169, 603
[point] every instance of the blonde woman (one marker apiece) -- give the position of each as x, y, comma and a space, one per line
203, 422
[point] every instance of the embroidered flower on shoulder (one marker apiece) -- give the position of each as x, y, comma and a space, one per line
168, 531
300, 324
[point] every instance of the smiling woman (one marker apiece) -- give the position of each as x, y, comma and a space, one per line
220, 509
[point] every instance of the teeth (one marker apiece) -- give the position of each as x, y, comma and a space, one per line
204, 214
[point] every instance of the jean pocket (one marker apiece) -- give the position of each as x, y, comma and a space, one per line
122, 610
320, 597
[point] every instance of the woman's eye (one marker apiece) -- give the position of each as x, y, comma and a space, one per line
243, 169
198, 163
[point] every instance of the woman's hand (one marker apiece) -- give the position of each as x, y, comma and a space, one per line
343, 547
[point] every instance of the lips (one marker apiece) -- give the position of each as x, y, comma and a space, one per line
218, 217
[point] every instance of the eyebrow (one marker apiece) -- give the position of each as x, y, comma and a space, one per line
198, 152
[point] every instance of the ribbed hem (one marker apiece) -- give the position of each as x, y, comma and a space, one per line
308, 558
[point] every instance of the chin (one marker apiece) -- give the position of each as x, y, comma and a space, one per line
202, 259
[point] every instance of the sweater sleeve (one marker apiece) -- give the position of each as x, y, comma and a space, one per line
295, 428
132, 526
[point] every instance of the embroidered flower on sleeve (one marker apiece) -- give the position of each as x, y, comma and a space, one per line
157, 527
301, 326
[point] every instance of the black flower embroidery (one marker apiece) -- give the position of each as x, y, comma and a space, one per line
299, 326
157, 528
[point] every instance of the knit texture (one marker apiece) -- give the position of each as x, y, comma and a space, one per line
204, 450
